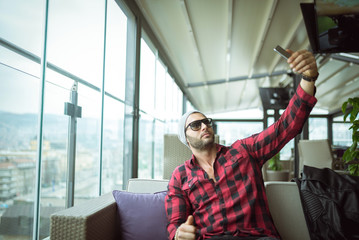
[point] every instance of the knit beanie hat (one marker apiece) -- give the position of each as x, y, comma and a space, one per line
181, 126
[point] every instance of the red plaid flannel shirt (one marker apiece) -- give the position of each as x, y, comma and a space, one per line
236, 204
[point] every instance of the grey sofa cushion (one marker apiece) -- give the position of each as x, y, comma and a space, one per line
141, 215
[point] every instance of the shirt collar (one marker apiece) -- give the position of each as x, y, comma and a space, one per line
193, 162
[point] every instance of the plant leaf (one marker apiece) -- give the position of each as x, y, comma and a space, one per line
355, 136
346, 156
344, 107
353, 146
354, 113
355, 102
354, 169
353, 154
350, 100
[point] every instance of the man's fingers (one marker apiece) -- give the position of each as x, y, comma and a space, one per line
188, 228
186, 236
302, 61
296, 56
187, 232
301, 66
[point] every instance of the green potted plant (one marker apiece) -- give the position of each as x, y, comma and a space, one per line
351, 155
275, 170
274, 163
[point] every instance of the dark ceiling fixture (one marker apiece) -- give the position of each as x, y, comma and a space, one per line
275, 98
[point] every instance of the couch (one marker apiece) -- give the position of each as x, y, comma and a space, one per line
99, 218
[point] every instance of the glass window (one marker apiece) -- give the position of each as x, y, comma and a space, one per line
147, 101
270, 121
158, 148
318, 128
55, 141
270, 111
115, 81
112, 150
169, 97
173, 106
147, 75
75, 46
240, 114
13, 60
21, 24
76, 38
19, 108
146, 146
342, 135
179, 101
161, 107
286, 152
116, 43
160, 90
88, 144
229, 132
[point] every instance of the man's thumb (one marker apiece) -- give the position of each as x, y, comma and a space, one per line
189, 220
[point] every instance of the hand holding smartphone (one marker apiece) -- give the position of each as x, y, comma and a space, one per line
282, 52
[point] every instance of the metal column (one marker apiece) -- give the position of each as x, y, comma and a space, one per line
74, 111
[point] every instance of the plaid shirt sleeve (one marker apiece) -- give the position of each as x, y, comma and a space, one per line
177, 204
266, 144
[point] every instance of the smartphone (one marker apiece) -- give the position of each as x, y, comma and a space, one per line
282, 52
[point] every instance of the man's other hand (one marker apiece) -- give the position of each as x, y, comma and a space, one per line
187, 231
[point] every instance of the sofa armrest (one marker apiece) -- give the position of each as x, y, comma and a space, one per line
95, 219
286, 209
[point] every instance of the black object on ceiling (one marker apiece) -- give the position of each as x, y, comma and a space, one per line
275, 98
332, 27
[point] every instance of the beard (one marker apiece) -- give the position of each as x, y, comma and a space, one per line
201, 144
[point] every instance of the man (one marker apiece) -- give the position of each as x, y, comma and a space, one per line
219, 193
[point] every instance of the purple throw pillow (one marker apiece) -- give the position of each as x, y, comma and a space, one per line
141, 215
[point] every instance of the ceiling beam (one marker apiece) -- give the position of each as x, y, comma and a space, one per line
193, 38
260, 41
346, 57
259, 45
236, 79
184, 7
228, 50
344, 97
156, 39
263, 35
229, 37
343, 84
333, 74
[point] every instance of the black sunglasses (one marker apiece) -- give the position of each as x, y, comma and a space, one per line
196, 125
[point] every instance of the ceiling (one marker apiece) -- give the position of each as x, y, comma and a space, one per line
223, 51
